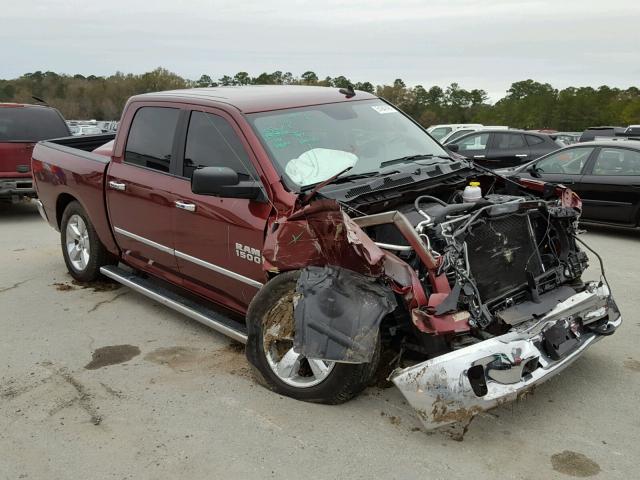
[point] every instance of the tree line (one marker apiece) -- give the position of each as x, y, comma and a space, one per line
526, 104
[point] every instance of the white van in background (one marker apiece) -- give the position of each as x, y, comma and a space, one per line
463, 131
440, 131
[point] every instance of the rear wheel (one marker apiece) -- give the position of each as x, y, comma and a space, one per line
82, 250
270, 350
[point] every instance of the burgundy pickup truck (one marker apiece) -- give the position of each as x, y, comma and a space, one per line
322, 227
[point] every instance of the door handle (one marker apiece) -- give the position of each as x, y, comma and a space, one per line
189, 207
117, 185
522, 155
479, 156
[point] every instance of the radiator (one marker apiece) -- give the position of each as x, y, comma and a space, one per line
500, 252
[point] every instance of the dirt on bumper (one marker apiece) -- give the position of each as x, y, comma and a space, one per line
458, 385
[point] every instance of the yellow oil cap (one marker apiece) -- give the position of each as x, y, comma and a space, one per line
474, 184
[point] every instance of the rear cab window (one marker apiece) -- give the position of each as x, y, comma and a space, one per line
31, 124
151, 136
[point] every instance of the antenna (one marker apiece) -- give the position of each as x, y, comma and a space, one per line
348, 92
38, 99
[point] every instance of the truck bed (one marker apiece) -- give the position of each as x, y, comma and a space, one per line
66, 169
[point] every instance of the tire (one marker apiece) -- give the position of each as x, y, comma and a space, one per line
83, 261
270, 320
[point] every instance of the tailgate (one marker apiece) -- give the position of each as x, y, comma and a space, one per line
15, 159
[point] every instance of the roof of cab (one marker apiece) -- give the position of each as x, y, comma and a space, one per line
257, 98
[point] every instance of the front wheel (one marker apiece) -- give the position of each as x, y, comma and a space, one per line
82, 250
271, 328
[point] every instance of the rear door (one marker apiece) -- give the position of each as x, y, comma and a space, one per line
508, 149
611, 186
540, 145
139, 191
218, 241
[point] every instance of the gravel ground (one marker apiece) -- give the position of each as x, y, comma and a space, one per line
181, 402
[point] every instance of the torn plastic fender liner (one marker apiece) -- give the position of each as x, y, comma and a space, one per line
338, 313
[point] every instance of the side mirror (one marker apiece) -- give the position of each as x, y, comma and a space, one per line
224, 182
533, 170
453, 147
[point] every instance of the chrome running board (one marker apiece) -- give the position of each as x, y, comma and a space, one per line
179, 303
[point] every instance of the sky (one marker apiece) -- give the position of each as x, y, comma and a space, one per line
485, 44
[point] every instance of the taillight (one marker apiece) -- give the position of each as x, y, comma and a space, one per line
36, 166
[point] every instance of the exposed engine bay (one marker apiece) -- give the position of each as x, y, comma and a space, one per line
502, 256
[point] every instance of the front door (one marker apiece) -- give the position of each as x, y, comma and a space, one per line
139, 191
218, 241
565, 167
611, 187
474, 147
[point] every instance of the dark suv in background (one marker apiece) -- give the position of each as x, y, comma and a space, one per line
593, 133
503, 148
21, 127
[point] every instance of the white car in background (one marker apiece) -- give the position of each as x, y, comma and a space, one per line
463, 131
440, 131
77, 130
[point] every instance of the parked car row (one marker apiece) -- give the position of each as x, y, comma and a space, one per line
447, 133
605, 174
91, 127
602, 164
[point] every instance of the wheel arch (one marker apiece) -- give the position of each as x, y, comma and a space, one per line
62, 201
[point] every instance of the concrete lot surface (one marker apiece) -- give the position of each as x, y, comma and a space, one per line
178, 400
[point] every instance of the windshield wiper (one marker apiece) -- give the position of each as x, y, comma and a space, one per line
324, 183
413, 158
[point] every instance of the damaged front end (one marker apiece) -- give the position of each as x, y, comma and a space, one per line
458, 385
483, 300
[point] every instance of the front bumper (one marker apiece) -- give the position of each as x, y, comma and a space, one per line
16, 188
458, 385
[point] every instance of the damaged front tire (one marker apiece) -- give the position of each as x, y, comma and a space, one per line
271, 328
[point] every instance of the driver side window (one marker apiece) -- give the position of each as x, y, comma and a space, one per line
570, 162
212, 142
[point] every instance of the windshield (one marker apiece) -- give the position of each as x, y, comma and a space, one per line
311, 144
31, 124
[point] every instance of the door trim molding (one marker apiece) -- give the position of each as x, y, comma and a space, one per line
146, 241
218, 269
189, 258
